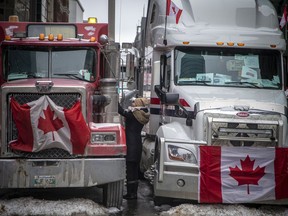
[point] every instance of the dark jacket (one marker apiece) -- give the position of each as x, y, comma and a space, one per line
133, 130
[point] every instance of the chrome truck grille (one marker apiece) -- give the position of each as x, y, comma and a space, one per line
64, 100
223, 130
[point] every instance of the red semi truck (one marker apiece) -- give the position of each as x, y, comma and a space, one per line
59, 121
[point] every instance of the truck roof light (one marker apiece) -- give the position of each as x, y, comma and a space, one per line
60, 37
186, 42
273, 46
7, 37
41, 36
241, 44
220, 43
92, 20
13, 18
93, 39
230, 43
50, 37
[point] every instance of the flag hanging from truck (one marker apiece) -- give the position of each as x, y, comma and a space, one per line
283, 20
242, 174
173, 10
41, 124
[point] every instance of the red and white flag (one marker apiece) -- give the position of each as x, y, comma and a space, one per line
283, 20
242, 174
173, 10
41, 124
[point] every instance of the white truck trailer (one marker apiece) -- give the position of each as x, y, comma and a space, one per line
217, 80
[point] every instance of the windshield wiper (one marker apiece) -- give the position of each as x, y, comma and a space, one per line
244, 82
74, 75
194, 81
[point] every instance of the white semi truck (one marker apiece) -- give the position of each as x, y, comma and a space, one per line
217, 80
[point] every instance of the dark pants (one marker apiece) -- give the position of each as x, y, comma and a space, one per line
132, 169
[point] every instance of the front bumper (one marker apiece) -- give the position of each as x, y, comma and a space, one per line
47, 173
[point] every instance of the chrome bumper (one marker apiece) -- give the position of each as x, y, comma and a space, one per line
46, 173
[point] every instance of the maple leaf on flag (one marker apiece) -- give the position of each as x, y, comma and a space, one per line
247, 175
49, 124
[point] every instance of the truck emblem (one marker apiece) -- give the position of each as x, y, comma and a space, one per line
43, 86
242, 114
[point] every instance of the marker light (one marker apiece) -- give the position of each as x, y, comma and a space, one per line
220, 43
59, 37
41, 36
7, 37
92, 20
92, 39
230, 44
50, 37
273, 46
185, 42
241, 44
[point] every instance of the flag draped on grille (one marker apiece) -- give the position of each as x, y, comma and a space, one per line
242, 174
41, 124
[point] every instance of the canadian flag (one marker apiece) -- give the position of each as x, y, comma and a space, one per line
283, 20
242, 174
41, 124
173, 10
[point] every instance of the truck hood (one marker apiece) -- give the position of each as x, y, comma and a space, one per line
218, 97
56, 83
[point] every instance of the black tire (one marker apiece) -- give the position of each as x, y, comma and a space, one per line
113, 194
158, 201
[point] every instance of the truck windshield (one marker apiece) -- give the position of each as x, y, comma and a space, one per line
249, 68
49, 62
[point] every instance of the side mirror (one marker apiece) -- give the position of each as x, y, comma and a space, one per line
166, 98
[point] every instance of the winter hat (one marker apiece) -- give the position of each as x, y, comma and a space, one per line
141, 102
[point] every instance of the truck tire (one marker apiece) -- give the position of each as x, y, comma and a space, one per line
113, 194
158, 201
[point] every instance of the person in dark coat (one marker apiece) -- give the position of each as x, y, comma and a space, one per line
136, 117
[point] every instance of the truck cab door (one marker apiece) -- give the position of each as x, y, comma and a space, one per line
166, 98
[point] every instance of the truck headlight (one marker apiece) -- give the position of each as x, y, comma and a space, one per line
181, 154
103, 138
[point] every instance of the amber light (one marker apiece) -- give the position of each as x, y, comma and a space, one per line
7, 37
273, 46
59, 37
220, 43
230, 44
92, 20
41, 36
186, 42
50, 37
241, 44
92, 39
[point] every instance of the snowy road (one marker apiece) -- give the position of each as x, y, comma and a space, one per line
87, 203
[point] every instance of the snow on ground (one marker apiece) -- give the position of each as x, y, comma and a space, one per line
224, 210
29, 206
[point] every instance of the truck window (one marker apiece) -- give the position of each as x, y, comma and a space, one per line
43, 62
228, 67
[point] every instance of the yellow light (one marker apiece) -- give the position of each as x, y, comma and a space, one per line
13, 18
7, 37
92, 39
220, 43
185, 42
50, 37
241, 44
230, 44
59, 37
92, 20
273, 46
41, 36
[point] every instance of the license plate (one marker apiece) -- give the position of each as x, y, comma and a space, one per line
44, 181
